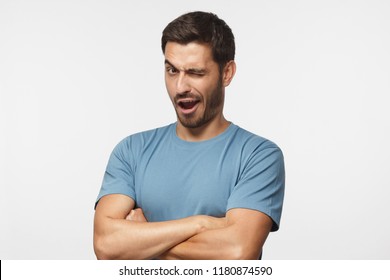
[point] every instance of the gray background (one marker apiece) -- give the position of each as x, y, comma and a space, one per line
313, 76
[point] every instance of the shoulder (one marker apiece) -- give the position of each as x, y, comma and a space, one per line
257, 151
141, 138
252, 142
137, 142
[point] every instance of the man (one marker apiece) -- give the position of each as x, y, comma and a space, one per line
200, 188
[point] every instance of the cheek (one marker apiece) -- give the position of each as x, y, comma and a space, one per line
207, 90
202, 86
170, 88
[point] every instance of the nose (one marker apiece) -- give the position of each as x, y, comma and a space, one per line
182, 83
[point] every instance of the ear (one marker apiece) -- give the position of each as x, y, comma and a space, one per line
228, 73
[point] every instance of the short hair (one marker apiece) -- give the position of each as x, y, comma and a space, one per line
202, 27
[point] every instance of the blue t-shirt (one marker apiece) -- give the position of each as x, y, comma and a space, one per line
170, 178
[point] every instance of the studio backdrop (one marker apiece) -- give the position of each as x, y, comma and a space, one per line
76, 77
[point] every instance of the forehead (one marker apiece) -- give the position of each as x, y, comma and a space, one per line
189, 55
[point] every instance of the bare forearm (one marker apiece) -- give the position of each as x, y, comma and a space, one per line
242, 238
214, 244
123, 239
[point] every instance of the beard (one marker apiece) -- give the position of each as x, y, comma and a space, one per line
212, 108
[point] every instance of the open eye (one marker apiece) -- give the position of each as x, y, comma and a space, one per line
171, 70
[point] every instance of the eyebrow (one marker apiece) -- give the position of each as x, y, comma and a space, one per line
169, 63
189, 70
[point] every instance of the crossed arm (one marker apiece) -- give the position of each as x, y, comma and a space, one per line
120, 233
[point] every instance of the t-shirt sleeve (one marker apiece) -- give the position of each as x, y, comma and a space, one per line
261, 184
119, 175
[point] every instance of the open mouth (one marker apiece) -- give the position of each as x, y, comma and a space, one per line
187, 104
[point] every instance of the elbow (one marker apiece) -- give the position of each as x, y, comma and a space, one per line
107, 248
241, 252
103, 249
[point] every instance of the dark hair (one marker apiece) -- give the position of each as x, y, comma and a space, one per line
204, 28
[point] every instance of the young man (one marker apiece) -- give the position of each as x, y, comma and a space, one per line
200, 188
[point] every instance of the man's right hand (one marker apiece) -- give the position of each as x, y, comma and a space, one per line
205, 222
136, 215
210, 223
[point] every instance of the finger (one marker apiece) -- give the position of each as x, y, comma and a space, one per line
139, 211
139, 215
130, 216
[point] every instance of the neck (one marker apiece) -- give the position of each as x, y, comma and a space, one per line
204, 132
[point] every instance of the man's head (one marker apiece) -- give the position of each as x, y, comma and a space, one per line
204, 28
199, 62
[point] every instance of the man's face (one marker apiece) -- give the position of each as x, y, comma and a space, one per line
194, 83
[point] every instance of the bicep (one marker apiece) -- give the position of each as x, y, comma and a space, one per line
261, 185
113, 206
249, 228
